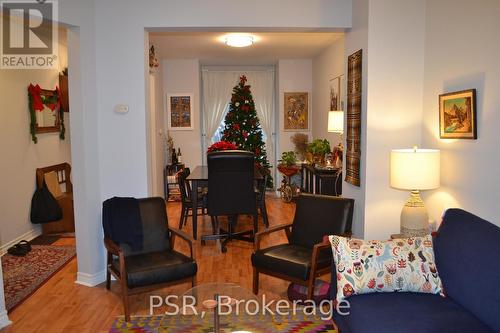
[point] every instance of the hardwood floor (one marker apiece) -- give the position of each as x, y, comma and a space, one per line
63, 306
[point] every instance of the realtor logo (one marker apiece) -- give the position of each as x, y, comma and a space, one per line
29, 34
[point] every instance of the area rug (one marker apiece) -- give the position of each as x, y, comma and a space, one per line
22, 276
243, 323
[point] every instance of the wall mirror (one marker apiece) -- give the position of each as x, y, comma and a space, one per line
47, 120
45, 111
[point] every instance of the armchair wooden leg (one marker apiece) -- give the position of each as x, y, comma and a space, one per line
255, 281
193, 282
126, 308
310, 286
108, 274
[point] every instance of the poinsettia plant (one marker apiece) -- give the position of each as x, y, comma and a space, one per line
221, 145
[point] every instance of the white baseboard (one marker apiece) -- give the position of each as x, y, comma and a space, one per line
4, 319
90, 280
33, 233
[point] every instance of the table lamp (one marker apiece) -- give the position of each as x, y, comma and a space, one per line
415, 170
336, 125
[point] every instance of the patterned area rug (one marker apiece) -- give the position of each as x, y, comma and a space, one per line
22, 276
243, 323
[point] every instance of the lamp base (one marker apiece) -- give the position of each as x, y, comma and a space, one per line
414, 217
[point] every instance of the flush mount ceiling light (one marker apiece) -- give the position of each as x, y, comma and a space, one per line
238, 40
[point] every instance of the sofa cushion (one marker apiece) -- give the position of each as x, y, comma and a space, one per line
156, 267
396, 265
468, 256
288, 259
407, 312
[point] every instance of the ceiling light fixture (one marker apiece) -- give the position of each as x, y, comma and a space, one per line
239, 40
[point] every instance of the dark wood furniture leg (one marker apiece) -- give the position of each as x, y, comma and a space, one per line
194, 200
255, 287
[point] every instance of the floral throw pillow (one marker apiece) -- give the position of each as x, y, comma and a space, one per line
405, 264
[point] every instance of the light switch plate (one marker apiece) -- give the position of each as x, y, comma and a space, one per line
121, 108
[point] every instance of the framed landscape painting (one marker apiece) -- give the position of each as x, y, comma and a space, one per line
457, 115
296, 111
180, 111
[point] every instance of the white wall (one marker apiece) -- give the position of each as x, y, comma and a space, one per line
20, 155
356, 38
326, 66
394, 114
183, 76
294, 75
458, 57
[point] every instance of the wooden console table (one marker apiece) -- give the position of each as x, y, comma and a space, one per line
321, 180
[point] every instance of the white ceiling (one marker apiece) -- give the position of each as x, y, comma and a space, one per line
209, 47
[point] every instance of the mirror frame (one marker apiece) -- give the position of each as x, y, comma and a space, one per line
57, 126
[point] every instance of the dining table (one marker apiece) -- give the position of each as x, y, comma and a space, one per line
199, 178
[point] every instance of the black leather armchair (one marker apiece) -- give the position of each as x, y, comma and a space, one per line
306, 256
157, 264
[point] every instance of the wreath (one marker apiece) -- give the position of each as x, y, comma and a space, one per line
37, 102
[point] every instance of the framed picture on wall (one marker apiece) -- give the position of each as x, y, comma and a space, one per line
457, 115
335, 96
296, 115
180, 111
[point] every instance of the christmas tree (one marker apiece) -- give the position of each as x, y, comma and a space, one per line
243, 127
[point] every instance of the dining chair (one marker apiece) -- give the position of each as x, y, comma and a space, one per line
260, 191
306, 255
154, 265
186, 202
231, 192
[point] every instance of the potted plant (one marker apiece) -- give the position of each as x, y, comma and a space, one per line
288, 158
318, 148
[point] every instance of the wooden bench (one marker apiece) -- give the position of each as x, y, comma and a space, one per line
65, 199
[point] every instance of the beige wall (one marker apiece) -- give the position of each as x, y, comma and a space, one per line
458, 57
19, 155
326, 66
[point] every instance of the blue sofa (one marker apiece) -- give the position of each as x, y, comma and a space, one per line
467, 250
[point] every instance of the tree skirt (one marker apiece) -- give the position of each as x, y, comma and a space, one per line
244, 323
22, 276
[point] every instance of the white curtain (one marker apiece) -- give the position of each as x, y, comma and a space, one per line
262, 88
217, 89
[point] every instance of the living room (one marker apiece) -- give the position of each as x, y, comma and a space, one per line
412, 52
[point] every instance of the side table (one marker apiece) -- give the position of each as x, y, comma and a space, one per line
169, 179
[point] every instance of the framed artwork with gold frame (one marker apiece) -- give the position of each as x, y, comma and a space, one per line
457, 115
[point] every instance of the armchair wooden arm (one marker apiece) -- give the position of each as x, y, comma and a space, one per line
112, 247
259, 235
317, 248
185, 237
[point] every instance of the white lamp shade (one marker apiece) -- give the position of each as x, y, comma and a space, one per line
415, 169
336, 121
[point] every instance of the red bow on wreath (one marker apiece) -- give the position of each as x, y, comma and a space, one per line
35, 92
57, 105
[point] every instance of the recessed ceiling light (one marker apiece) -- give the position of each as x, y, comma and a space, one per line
239, 40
